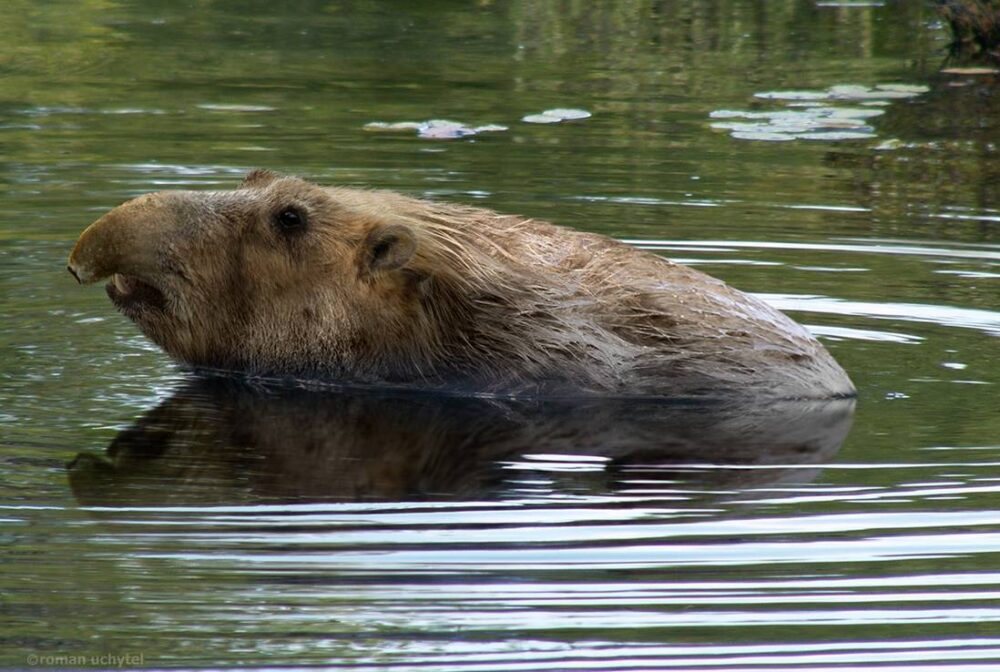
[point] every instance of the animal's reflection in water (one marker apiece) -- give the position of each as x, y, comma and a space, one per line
219, 441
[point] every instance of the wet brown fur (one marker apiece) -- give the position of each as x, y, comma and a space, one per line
380, 287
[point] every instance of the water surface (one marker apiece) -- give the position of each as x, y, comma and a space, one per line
143, 512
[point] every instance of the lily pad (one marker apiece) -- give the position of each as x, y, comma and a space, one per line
490, 128
769, 136
740, 114
837, 135
815, 115
849, 92
854, 112
567, 113
541, 119
915, 89
556, 115
435, 129
891, 143
970, 71
227, 107
395, 126
792, 95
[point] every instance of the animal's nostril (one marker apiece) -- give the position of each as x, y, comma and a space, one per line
70, 269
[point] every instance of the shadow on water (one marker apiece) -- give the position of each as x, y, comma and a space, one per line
223, 442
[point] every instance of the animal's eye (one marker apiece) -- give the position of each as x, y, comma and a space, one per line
290, 220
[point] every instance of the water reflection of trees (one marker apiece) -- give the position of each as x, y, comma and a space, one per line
937, 170
615, 47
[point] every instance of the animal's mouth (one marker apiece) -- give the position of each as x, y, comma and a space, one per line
133, 296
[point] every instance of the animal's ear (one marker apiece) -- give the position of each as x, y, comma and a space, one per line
258, 177
388, 248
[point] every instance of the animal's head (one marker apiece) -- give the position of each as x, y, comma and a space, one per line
278, 275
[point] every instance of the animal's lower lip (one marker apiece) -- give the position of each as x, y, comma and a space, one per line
132, 295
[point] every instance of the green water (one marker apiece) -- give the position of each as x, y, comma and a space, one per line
205, 524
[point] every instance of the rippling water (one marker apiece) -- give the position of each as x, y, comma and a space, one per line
197, 523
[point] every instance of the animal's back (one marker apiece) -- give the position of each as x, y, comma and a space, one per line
652, 326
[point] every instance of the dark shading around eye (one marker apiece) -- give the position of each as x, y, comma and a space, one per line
290, 220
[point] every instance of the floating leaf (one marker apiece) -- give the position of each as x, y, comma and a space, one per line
837, 135
915, 89
852, 4
792, 95
567, 113
849, 91
769, 136
738, 114
891, 143
541, 119
226, 107
970, 71
815, 115
490, 128
443, 129
435, 129
854, 112
738, 126
556, 115
397, 126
